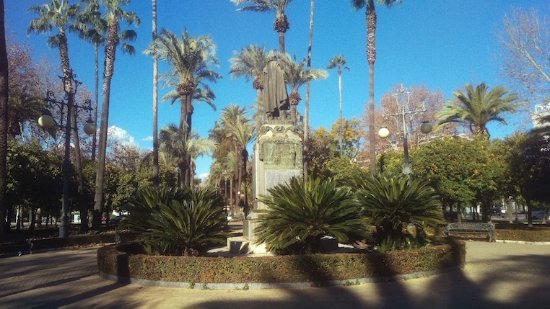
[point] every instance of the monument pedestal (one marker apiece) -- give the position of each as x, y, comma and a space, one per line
277, 158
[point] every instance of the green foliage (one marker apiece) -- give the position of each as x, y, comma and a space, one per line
393, 203
344, 171
478, 106
34, 177
351, 136
177, 221
529, 166
300, 212
462, 171
321, 147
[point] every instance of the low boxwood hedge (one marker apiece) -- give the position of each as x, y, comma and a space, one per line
35, 244
125, 261
535, 234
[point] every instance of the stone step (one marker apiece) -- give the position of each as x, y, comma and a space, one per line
238, 245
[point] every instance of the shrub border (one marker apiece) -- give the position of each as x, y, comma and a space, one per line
114, 263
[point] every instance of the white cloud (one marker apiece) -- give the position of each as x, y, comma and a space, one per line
147, 138
121, 136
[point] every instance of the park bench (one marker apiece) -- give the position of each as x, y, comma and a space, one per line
470, 229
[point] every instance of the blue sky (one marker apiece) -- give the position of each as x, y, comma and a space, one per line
440, 44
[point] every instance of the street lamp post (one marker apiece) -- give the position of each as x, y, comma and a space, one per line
404, 110
46, 121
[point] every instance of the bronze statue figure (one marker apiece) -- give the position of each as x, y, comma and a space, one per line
275, 94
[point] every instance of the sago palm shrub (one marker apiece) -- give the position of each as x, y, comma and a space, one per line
177, 221
299, 213
392, 204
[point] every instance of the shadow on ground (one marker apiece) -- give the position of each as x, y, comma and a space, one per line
495, 276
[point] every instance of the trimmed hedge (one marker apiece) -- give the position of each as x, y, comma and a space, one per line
125, 261
7, 249
524, 234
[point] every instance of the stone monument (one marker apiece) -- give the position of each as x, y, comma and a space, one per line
278, 149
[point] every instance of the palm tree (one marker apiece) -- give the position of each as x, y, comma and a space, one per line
306, 107
174, 145
339, 62
280, 25
198, 147
296, 75
58, 17
250, 63
238, 127
155, 99
191, 59
4, 225
95, 35
109, 23
371, 58
203, 94
479, 106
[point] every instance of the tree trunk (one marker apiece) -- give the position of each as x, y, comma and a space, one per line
231, 202
371, 57
94, 137
239, 176
244, 154
529, 212
282, 42
110, 54
341, 127
80, 178
155, 101
189, 173
308, 85
32, 219
4, 221
68, 79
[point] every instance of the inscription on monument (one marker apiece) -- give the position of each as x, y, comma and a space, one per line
277, 177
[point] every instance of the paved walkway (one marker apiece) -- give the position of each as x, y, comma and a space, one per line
497, 275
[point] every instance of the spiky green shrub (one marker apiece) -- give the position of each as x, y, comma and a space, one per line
177, 221
395, 203
299, 213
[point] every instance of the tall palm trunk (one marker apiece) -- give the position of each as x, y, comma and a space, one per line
110, 54
341, 128
189, 112
244, 154
239, 175
68, 88
185, 97
371, 57
155, 101
308, 86
79, 176
4, 224
94, 137
281, 26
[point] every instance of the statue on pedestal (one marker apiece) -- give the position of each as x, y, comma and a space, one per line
275, 95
